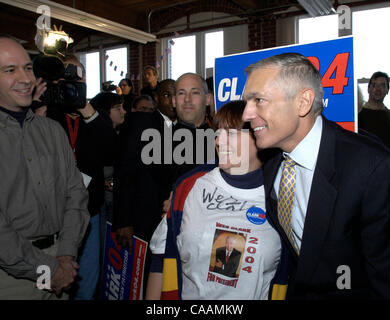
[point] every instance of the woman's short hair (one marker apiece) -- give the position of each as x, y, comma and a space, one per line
229, 116
106, 100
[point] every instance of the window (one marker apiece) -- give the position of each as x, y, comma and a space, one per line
318, 29
371, 47
116, 64
114, 69
368, 28
182, 57
195, 53
92, 68
214, 47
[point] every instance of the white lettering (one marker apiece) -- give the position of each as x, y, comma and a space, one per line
44, 280
234, 96
343, 281
221, 96
344, 17
43, 21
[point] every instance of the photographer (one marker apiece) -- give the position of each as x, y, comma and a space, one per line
126, 90
93, 140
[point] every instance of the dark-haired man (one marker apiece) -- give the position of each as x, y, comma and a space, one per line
375, 116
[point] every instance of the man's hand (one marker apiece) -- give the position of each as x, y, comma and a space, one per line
40, 88
88, 111
124, 237
167, 205
65, 274
218, 263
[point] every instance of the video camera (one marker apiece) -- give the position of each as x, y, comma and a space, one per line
63, 92
107, 86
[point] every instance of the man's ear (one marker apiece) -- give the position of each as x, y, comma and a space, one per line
305, 101
209, 97
155, 98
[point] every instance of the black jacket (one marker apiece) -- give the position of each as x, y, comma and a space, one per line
140, 188
347, 219
96, 147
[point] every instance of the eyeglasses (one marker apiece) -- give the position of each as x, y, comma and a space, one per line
124, 85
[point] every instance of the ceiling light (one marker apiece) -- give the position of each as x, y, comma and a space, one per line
84, 19
317, 7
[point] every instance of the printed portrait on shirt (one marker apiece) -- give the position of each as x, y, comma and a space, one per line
227, 253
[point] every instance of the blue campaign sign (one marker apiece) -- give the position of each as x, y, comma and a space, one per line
333, 58
123, 272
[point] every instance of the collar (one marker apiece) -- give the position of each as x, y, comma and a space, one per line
306, 152
168, 121
204, 125
367, 105
6, 114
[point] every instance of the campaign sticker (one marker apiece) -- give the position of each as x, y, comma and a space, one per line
256, 215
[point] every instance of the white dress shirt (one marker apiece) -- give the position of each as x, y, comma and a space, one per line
168, 121
305, 156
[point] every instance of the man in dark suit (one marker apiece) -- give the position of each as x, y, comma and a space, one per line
227, 258
140, 188
337, 223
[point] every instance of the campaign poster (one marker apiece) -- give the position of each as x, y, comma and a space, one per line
123, 272
333, 58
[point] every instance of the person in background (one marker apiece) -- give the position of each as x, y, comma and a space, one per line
327, 189
374, 117
190, 101
210, 108
134, 177
111, 104
94, 141
126, 90
212, 206
139, 187
43, 201
143, 103
164, 94
150, 75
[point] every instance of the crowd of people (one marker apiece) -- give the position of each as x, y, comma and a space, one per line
263, 199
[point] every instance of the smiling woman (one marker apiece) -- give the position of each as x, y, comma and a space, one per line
219, 218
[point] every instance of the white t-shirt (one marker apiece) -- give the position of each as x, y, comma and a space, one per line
213, 211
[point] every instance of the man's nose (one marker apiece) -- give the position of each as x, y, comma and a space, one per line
249, 112
25, 77
187, 97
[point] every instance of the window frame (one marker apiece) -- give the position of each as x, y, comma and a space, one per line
200, 51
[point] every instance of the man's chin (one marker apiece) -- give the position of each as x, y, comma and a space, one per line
25, 103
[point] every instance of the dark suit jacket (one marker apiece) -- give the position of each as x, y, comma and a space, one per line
139, 188
230, 268
347, 219
96, 147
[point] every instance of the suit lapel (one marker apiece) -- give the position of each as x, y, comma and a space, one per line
270, 171
320, 207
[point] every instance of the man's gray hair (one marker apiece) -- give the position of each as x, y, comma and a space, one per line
297, 72
202, 80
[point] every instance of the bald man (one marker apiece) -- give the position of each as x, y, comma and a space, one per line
43, 202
